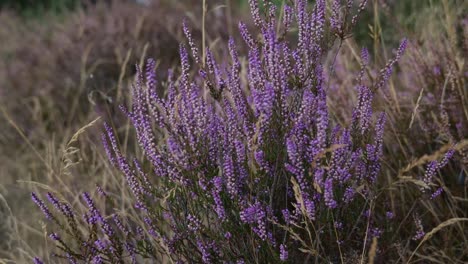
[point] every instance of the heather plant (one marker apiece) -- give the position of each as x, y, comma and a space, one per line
243, 161
438, 81
424, 102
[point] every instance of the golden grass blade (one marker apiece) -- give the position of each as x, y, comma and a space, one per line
373, 251
81, 131
439, 153
298, 195
415, 110
435, 230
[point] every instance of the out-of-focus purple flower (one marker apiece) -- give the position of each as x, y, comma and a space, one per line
437, 193
387, 70
446, 159
431, 170
219, 207
283, 252
37, 261
71, 259
419, 229
194, 224
206, 255
389, 215
54, 236
101, 191
97, 260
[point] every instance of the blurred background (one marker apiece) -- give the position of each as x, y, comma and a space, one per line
63, 63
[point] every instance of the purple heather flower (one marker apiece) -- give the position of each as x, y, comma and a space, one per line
112, 140
194, 49
206, 255
100, 244
364, 56
54, 201
431, 170
367, 213
389, 215
251, 214
219, 207
71, 259
260, 159
446, 159
286, 216
92, 208
131, 250
283, 252
95, 216
375, 232
338, 225
151, 76
97, 260
120, 225
379, 131
349, 194
230, 176
151, 227
54, 236
309, 206
287, 17
335, 19
110, 156
255, 13
363, 111
42, 206
246, 35
255, 214
420, 231
37, 261
100, 191
437, 193
318, 19
361, 8
385, 73
194, 223
328, 194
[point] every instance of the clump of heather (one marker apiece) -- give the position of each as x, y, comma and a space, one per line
243, 161
425, 141
437, 86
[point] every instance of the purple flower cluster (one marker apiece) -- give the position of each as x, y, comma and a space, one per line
237, 146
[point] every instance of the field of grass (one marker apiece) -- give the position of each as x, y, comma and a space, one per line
205, 166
